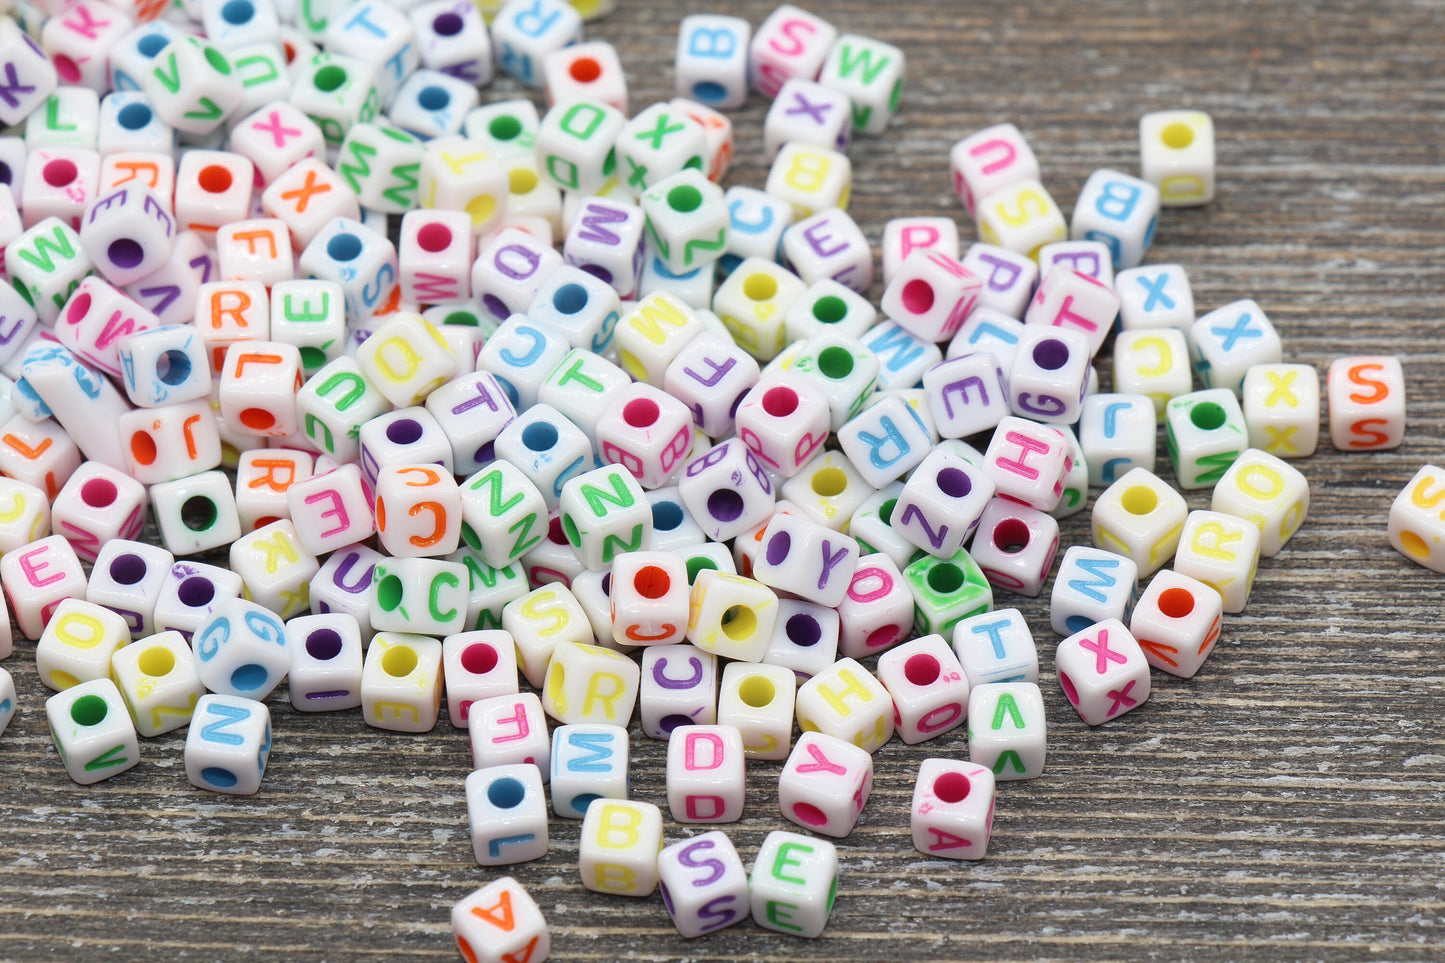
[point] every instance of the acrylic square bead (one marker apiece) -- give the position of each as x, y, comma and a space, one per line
989, 160
78, 642
477, 665
241, 650
945, 591
190, 593
1417, 527
60, 182
228, 745
330, 511
871, 524
507, 814
38, 577
1177, 622
425, 596
731, 616
1009, 278
525, 31
885, 440
711, 61
847, 701
587, 683
1090, 258
1271, 493
274, 137
1281, 405
650, 598
1021, 217
1228, 341
1154, 296
126, 578
952, 810
157, 678
1120, 211
96, 505
1117, 432
758, 700
703, 883
326, 662
1153, 362
1092, 585
92, 731
1366, 401
827, 243
825, 783
36, 76
966, 394
619, 845
541, 620
401, 682
930, 295
306, 197
939, 506
1176, 149
604, 514
678, 688
498, 922
7, 700
705, 774
791, 42
806, 559
928, 688
509, 729
1008, 732
128, 233
45, 264
1205, 432
451, 37
1140, 517
1103, 672
794, 883
588, 762
1071, 300
1027, 462
810, 113
727, 490
196, 513
1014, 546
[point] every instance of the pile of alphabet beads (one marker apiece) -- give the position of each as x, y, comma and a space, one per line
474, 394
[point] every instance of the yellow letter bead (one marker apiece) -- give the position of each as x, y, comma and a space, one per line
401, 682
507, 814
1007, 731
1282, 409
705, 774
275, 569
92, 731
1021, 217
1177, 623
1366, 402
952, 812
1221, 551
810, 179
1140, 517
731, 616
1155, 362
1271, 493
758, 699
509, 729
793, 883
825, 784
618, 850
1417, 523
538, 621
157, 677
587, 683
500, 922
652, 333
847, 701
753, 303
406, 359
928, 688
24, 514
78, 643
1205, 432
1176, 155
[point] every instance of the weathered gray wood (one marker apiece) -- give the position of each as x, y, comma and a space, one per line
1285, 804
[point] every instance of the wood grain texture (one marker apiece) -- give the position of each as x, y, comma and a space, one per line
1286, 804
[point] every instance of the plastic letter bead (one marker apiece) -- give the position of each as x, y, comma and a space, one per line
477, 665
793, 883
163, 366
430, 103
711, 63
228, 744
1120, 211
704, 885
807, 559
605, 240
1206, 432
588, 762
451, 38
783, 420
870, 73
126, 578
257, 388
78, 642
604, 514
195, 513
1271, 493
157, 678
1155, 362
59, 182
330, 511
1027, 462
1281, 404
1228, 341
1076, 302
1008, 733
938, 507
928, 688
809, 113
731, 616
1103, 672
966, 394
45, 264
885, 440
647, 432
503, 514
825, 784
337, 404
952, 812
241, 650
753, 302
878, 609
127, 233
872, 525
343, 585
35, 74
1154, 296
1140, 517
401, 682
7, 699
839, 366
525, 31
541, 620
1176, 151
989, 160
619, 845
946, 591
406, 358
996, 647
507, 814
92, 731
275, 570
705, 774
254, 250
1021, 217
189, 593
275, 137
418, 511
827, 244
587, 683
498, 922
1177, 623
1014, 546
1008, 278
1091, 258
726, 490
96, 505
1417, 527
1366, 397
847, 701
758, 700
650, 598
38, 577
791, 42
679, 688
326, 662
213, 188
509, 729
1117, 432
426, 596
1049, 374
930, 294
1092, 585
306, 197
1222, 552
710, 375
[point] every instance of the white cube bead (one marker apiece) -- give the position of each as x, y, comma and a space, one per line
1222, 552
618, 850
588, 762
1103, 672
1007, 730
1176, 150
1366, 397
704, 886
1177, 622
1271, 493
825, 783
228, 744
952, 811
793, 883
1281, 407
499, 922
928, 687
706, 769
92, 731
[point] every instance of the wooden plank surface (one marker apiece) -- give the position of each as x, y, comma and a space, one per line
1285, 804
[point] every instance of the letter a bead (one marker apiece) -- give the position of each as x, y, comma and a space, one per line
500, 922
952, 812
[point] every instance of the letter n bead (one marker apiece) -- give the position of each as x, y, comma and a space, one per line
793, 883
228, 744
952, 813
507, 813
1103, 672
500, 922
92, 731
704, 886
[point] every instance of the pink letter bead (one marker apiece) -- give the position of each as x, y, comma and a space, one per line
996, 646
401, 682
1366, 403
39, 576
679, 688
793, 883
92, 731
618, 850
1102, 671
589, 762
126, 578
157, 678
228, 744
928, 687
1177, 622
1028, 462
704, 886
1221, 551
587, 683
326, 662
78, 642
509, 729
1140, 517
940, 504
1007, 731
241, 650
876, 612
758, 700
705, 774
1092, 585
1014, 546
499, 922
477, 665
330, 511
848, 702
507, 812
1417, 525
825, 783
731, 616
989, 160
930, 295
952, 814
646, 431
98, 504
791, 42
